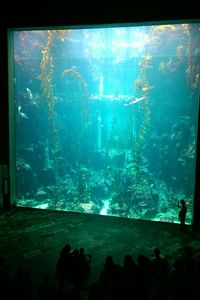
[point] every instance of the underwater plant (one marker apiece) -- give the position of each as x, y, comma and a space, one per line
47, 68
144, 88
83, 85
193, 53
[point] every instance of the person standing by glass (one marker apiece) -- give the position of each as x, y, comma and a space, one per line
182, 214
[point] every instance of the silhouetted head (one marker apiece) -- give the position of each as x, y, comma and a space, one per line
128, 260
182, 202
81, 250
109, 260
65, 250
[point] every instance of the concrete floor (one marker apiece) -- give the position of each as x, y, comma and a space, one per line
34, 238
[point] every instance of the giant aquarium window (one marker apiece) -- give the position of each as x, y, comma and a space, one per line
106, 118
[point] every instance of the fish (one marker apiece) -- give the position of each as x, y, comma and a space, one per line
29, 94
135, 101
23, 115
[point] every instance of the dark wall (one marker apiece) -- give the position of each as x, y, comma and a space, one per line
96, 12
4, 129
3, 97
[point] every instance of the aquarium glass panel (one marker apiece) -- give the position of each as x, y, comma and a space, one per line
106, 119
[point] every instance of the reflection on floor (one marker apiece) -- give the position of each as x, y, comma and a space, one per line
33, 238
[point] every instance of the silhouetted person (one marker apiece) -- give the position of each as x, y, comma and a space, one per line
84, 262
182, 214
64, 265
128, 276
106, 278
160, 269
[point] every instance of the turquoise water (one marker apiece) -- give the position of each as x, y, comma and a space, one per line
106, 119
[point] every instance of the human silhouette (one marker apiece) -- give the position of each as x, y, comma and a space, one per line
182, 214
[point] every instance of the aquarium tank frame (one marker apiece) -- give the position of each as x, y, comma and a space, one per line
12, 122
